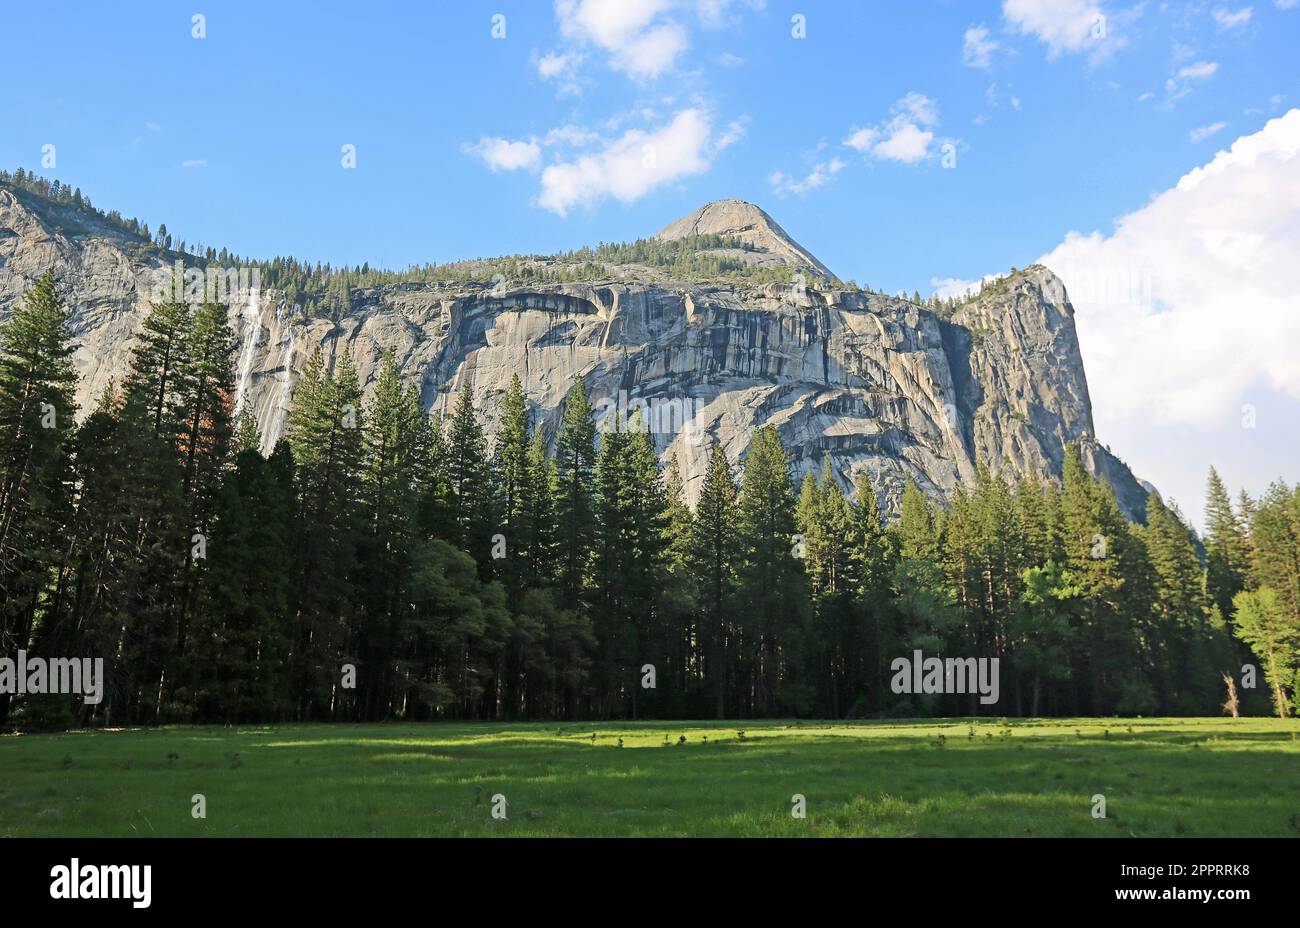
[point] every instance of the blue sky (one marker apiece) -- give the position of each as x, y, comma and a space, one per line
1062, 115
271, 94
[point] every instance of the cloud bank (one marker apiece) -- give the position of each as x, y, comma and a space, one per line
1189, 319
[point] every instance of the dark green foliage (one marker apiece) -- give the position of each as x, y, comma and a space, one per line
37, 429
772, 641
714, 555
575, 461
380, 564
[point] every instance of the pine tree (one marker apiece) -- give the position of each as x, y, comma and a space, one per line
36, 434
1103, 557
389, 481
873, 559
244, 631
613, 561
1275, 546
1226, 552
1185, 672
917, 535
472, 493
714, 555
575, 461
325, 436
923, 597
538, 546
510, 464
510, 455
678, 602
629, 563
128, 542
160, 353
837, 636
248, 436
772, 589
204, 398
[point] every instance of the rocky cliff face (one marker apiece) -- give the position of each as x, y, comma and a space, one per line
880, 383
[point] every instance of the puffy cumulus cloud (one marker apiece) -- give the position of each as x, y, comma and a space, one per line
644, 38
632, 165
506, 155
1066, 26
1187, 313
906, 137
638, 38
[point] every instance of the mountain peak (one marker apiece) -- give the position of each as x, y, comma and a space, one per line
750, 224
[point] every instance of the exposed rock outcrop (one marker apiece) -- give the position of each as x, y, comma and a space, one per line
882, 384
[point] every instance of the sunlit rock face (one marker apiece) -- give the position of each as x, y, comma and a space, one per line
880, 384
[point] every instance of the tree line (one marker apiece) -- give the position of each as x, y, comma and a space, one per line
382, 563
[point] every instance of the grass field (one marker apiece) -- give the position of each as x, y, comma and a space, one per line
1193, 777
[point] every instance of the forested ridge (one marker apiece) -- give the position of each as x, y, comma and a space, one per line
385, 564
317, 290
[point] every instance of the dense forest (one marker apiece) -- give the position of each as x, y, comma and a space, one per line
384, 564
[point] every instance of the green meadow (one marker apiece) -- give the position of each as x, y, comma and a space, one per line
945, 777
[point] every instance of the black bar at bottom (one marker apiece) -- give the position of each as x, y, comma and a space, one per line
333, 877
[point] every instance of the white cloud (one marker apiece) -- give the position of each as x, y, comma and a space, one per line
1198, 71
629, 167
1064, 25
862, 139
906, 137
955, 287
1285, 4
505, 155
652, 52
784, 185
1188, 311
571, 135
195, 163
733, 133
630, 30
558, 64
1180, 85
977, 48
713, 13
1232, 19
907, 143
1204, 132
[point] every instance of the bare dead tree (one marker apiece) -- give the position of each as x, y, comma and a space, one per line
1230, 707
